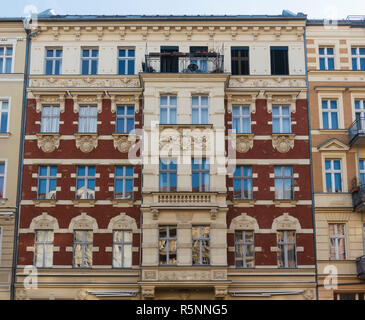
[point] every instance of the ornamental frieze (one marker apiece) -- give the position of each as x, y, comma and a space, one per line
243, 142
267, 82
283, 142
86, 142
124, 142
48, 143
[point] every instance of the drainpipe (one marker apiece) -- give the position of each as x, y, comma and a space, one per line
311, 163
362, 214
29, 35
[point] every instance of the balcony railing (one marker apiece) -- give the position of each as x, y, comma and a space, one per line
178, 62
360, 265
358, 198
357, 132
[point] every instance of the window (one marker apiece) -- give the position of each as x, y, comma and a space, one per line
1, 239
6, 59
284, 189
83, 249
337, 241
326, 58
281, 122
50, 119
349, 296
201, 245
358, 58
122, 249
360, 115
44, 249
169, 60
2, 180
241, 119
85, 183
168, 175
167, 243
240, 60
244, 249
53, 61
330, 114
279, 60
333, 176
88, 119
124, 182
126, 61
4, 116
200, 175
89, 61
287, 249
47, 182
168, 109
198, 56
362, 172
242, 183
200, 110
125, 119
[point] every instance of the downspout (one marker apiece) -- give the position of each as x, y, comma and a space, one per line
311, 162
21, 160
362, 214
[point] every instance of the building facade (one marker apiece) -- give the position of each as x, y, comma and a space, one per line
336, 72
167, 158
12, 57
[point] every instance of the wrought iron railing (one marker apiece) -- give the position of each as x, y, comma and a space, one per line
360, 266
183, 63
358, 197
357, 127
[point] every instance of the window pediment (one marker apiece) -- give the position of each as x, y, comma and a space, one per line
42, 100
289, 100
333, 145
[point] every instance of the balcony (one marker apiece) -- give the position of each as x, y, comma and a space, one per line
358, 198
178, 62
357, 133
360, 265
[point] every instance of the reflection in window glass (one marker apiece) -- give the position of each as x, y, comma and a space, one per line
43, 248
337, 241
122, 249
83, 249
201, 245
244, 249
286, 249
167, 244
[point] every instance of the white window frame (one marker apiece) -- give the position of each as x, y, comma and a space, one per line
50, 118
168, 238
357, 56
53, 59
201, 239
83, 244
322, 95
201, 173
281, 117
124, 179
126, 59
285, 243
2, 100
88, 118
199, 107
241, 117
90, 59
5, 46
361, 171
337, 237
86, 180
326, 56
168, 107
333, 171
48, 177
125, 117
123, 244
282, 178
330, 111
43, 243
5, 162
244, 243
242, 178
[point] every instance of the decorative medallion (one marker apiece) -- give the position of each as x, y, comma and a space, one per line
48, 143
244, 142
123, 142
86, 143
283, 142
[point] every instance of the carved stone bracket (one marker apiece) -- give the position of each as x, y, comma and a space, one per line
221, 292
249, 100
289, 100
213, 214
283, 142
148, 292
124, 142
48, 142
88, 100
42, 100
86, 142
125, 100
243, 142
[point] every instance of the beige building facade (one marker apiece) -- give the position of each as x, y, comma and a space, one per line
12, 61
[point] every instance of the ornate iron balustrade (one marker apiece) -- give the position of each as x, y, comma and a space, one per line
357, 130
360, 266
358, 198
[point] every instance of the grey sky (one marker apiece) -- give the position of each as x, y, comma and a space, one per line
334, 9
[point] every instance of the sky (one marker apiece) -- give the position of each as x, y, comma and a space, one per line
328, 9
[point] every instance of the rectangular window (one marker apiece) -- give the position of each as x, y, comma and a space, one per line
47, 182
6, 59
2, 180
125, 119
333, 176
168, 175
123, 182
126, 61
85, 183
358, 58
241, 119
168, 109
242, 183
240, 61
287, 249
89, 61
326, 58
279, 60
4, 116
169, 60
83, 249
362, 172
44, 249
337, 241
88, 119
244, 249
122, 249
53, 61
330, 114
200, 109
50, 119
198, 57
281, 122
200, 175
201, 245
167, 244
284, 189
360, 115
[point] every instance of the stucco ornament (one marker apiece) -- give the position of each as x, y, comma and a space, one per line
243, 143
283, 143
286, 222
86, 143
48, 143
244, 222
308, 294
123, 143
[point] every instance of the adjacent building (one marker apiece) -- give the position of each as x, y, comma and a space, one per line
12, 60
336, 72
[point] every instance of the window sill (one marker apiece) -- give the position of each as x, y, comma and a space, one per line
122, 202
84, 203
48, 134
285, 203
185, 126
45, 202
5, 135
86, 134
336, 131
244, 203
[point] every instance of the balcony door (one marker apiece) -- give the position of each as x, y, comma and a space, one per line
169, 60
360, 115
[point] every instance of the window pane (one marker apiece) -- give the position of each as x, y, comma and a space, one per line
121, 69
